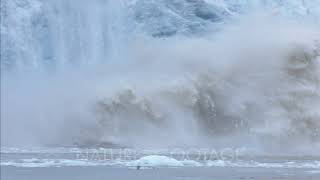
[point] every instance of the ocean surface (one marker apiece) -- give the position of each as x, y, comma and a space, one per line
102, 163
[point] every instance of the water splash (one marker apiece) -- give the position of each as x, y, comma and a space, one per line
99, 78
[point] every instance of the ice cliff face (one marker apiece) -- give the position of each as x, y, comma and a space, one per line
171, 17
29, 28
20, 22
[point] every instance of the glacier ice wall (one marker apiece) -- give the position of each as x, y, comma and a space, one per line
39, 34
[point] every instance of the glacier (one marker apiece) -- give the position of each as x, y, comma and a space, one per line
31, 27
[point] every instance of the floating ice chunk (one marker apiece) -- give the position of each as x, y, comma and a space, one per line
156, 160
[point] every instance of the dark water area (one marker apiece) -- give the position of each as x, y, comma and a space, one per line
193, 173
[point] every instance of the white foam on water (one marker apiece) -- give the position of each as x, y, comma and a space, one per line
314, 172
159, 161
34, 162
254, 164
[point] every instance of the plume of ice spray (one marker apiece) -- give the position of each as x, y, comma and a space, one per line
247, 82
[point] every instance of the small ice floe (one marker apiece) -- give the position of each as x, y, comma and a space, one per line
160, 161
155, 161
